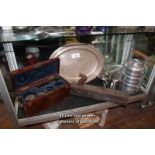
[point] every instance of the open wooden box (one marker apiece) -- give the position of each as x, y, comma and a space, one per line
39, 86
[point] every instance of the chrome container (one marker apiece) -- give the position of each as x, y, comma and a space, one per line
133, 74
130, 79
130, 89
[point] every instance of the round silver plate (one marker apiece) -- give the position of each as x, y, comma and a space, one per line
79, 58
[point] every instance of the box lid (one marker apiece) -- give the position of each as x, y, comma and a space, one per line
29, 74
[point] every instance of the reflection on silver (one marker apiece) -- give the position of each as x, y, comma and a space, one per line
111, 76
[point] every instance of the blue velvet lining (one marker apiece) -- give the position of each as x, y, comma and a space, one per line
57, 83
35, 74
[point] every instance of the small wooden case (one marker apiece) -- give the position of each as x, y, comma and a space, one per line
40, 86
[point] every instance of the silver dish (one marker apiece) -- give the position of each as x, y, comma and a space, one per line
28, 33
21, 27
53, 31
79, 58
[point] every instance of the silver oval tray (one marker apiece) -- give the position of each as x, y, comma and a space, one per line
79, 58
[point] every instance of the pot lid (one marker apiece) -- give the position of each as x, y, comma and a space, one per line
135, 65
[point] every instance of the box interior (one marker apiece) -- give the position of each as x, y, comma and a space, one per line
43, 89
32, 73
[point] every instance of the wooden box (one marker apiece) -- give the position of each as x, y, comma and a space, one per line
40, 86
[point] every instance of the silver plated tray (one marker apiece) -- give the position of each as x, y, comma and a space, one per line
79, 58
52, 31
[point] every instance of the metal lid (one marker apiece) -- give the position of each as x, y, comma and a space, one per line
135, 65
79, 58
